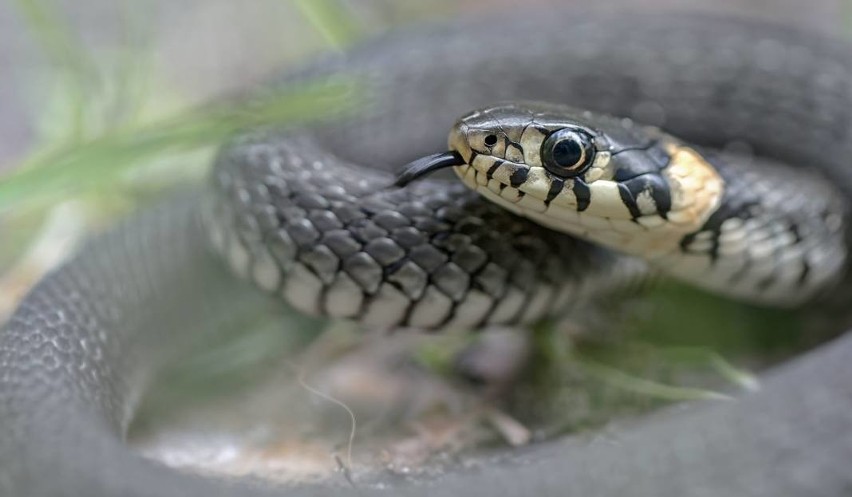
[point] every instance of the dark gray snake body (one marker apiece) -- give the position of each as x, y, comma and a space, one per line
81, 348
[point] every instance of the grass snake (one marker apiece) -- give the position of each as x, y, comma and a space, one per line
313, 215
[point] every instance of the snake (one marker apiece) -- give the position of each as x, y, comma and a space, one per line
594, 150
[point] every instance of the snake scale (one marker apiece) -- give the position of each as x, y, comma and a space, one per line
312, 214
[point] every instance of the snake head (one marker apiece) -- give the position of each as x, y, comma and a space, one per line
606, 179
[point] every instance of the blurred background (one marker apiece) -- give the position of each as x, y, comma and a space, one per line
106, 104
100, 98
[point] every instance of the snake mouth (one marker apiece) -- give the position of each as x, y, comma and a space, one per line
427, 165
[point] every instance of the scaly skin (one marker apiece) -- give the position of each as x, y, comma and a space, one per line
84, 344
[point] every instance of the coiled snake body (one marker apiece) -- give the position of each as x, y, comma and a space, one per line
312, 214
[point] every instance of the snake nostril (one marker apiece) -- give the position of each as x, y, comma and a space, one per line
490, 140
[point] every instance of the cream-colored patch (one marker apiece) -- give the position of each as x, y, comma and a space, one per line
627, 226
595, 223
530, 203
651, 222
481, 179
511, 195
531, 140
563, 215
537, 184
497, 199
690, 176
514, 154
467, 175
600, 168
566, 197
606, 201
646, 204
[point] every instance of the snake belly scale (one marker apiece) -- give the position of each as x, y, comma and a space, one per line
312, 215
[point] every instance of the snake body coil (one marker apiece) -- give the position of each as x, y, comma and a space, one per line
311, 214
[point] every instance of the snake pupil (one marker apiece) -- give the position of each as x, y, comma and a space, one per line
567, 152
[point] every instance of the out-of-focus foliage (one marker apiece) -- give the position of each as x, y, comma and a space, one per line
111, 135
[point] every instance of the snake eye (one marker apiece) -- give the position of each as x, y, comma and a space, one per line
568, 152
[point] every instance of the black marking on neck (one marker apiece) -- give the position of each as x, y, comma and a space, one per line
655, 185
519, 176
583, 194
662, 196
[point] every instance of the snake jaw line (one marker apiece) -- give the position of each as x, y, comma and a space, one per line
648, 214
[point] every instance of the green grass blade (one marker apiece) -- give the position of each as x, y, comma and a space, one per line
66, 170
641, 386
331, 19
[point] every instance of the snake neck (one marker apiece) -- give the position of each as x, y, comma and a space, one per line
736, 225
777, 236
